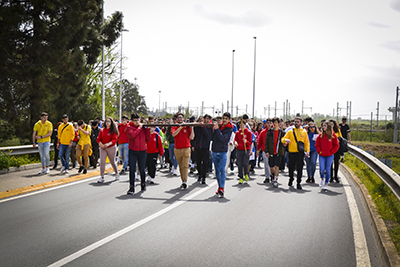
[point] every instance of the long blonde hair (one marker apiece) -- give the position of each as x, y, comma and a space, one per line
329, 131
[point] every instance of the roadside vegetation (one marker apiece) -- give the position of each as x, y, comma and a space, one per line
386, 202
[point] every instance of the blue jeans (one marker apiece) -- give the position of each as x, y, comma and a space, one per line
124, 153
139, 157
63, 154
44, 152
311, 162
172, 157
325, 164
219, 159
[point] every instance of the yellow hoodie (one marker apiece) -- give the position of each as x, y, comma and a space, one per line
301, 135
66, 133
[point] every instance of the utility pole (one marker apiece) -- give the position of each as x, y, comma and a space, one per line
395, 116
370, 134
275, 109
377, 117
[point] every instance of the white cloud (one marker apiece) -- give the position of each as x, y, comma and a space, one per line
251, 18
395, 4
378, 25
391, 72
392, 45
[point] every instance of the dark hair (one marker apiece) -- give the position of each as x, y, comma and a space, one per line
94, 123
298, 118
227, 114
134, 116
335, 127
179, 114
113, 127
98, 118
44, 114
64, 116
344, 119
80, 122
124, 117
151, 118
245, 117
275, 119
219, 118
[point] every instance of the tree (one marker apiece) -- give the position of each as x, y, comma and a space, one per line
132, 102
46, 50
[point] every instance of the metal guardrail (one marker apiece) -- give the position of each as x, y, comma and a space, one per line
387, 175
22, 150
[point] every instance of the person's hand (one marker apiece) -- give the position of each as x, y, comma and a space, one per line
258, 154
288, 141
251, 152
34, 145
216, 125
267, 155
307, 154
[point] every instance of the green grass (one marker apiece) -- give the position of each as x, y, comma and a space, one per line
386, 202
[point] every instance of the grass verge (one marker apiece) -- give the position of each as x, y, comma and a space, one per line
386, 202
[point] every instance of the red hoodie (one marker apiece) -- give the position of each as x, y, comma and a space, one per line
326, 147
138, 137
261, 140
105, 137
152, 146
123, 137
239, 139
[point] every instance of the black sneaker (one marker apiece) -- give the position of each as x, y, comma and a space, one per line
203, 181
290, 182
122, 172
337, 180
183, 186
131, 191
143, 187
299, 186
80, 169
308, 180
199, 179
312, 180
266, 181
84, 171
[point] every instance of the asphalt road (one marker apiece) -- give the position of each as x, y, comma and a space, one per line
90, 224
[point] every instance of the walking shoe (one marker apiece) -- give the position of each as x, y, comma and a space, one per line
246, 177
47, 170
275, 183
191, 170
117, 177
175, 172
290, 182
252, 171
66, 171
122, 172
337, 180
203, 181
151, 180
266, 181
84, 171
218, 191
131, 191
299, 186
312, 180
221, 192
325, 188
62, 170
42, 171
308, 180
143, 187
80, 169
241, 181
54, 167
183, 186
101, 180
331, 180
321, 184
199, 179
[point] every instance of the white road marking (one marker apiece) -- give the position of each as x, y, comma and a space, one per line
126, 230
360, 243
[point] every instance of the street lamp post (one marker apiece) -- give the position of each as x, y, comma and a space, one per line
159, 99
120, 78
254, 77
233, 65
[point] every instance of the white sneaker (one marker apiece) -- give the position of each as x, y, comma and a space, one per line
117, 177
62, 170
172, 169
66, 171
101, 180
42, 171
175, 172
321, 184
151, 180
325, 188
47, 170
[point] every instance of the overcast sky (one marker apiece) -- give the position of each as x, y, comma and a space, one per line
317, 51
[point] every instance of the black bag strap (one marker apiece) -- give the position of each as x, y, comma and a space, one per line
64, 127
294, 133
157, 140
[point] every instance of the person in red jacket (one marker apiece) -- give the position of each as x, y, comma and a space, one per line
107, 140
138, 137
260, 148
155, 150
326, 145
243, 141
123, 143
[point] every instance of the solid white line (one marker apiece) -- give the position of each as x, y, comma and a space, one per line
360, 243
126, 230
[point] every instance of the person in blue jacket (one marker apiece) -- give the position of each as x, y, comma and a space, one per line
311, 160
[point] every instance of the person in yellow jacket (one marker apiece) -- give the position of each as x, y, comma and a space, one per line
293, 138
41, 135
66, 135
84, 145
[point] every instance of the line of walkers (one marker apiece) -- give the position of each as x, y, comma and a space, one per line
245, 142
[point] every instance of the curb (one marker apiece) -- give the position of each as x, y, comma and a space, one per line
389, 255
24, 167
36, 187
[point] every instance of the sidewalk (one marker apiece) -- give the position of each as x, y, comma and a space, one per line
26, 180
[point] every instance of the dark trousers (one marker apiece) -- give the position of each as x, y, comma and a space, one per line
94, 158
296, 161
166, 154
202, 161
151, 163
242, 161
140, 158
335, 166
55, 154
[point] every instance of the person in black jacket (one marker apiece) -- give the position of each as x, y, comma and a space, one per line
94, 158
202, 139
274, 149
221, 135
171, 140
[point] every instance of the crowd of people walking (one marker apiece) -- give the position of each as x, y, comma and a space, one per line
202, 144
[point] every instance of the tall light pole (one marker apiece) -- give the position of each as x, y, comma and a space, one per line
120, 79
102, 67
159, 99
233, 65
254, 77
